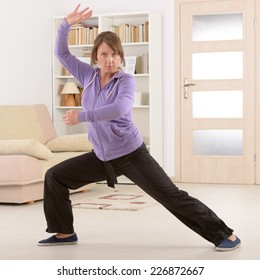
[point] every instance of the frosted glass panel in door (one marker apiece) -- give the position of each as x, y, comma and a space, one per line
218, 142
217, 104
217, 27
217, 65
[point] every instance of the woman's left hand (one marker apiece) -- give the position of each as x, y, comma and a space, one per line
70, 117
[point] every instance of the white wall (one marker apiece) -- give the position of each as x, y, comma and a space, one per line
25, 52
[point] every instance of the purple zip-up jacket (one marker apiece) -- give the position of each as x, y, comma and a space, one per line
107, 112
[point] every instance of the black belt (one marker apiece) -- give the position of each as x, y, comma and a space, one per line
111, 175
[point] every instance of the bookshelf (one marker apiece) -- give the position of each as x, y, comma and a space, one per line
140, 33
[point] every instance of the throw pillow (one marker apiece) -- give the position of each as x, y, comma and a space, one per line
70, 143
30, 147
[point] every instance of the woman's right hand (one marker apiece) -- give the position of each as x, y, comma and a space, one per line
76, 16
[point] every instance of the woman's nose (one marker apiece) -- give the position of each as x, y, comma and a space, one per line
110, 59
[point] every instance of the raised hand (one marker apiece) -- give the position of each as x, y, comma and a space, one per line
77, 16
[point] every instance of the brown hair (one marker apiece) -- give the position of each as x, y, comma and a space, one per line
112, 40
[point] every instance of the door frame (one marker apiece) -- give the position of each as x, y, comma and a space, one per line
178, 86
257, 96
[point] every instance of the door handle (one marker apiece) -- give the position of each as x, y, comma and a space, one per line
186, 88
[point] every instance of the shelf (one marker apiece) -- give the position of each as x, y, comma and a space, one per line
80, 46
80, 107
141, 75
141, 107
71, 77
68, 107
135, 44
64, 77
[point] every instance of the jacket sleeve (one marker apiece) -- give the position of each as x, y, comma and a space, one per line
121, 105
77, 68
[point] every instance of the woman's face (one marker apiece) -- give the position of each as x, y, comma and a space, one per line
107, 59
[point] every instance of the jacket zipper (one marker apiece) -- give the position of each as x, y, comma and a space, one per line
93, 107
97, 130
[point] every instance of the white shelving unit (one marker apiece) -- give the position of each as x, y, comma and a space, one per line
147, 116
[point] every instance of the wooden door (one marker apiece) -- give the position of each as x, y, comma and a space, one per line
217, 92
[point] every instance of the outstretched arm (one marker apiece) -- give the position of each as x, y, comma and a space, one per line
77, 16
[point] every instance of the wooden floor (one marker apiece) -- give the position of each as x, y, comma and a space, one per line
147, 234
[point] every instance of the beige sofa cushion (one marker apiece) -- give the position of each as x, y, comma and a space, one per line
58, 157
30, 147
45, 121
70, 143
26, 122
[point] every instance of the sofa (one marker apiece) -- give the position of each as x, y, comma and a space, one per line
29, 146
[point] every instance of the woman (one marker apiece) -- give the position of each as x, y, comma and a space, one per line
107, 100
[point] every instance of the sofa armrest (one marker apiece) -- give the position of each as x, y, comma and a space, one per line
70, 143
19, 170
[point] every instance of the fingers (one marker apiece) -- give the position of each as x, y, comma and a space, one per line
76, 9
70, 117
86, 13
77, 16
82, 11
66, 118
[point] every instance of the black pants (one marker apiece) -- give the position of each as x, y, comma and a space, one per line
140, 167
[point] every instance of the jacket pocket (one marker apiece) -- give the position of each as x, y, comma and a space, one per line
123, 131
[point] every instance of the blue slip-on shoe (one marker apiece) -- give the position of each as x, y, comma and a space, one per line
54, 241
228, 245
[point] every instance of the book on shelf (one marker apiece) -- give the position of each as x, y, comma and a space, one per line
82, 34
146, 31
130, 33
130, 63
141, 99
142, 64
